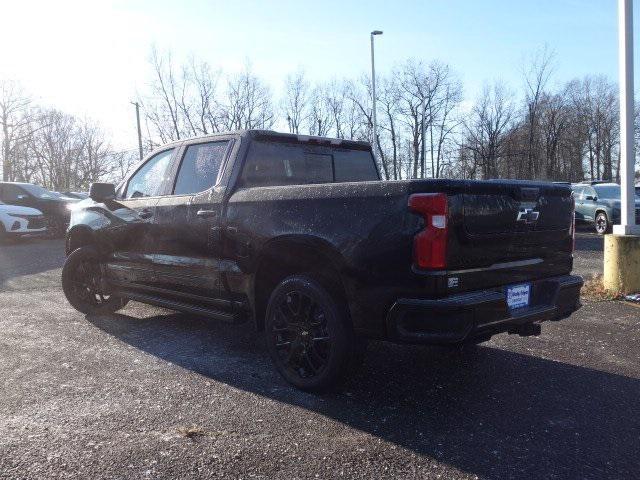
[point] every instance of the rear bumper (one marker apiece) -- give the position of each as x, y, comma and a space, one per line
467, 316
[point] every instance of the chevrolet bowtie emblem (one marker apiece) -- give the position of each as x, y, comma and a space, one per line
527, 215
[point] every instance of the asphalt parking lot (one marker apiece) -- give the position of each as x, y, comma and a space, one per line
114, 396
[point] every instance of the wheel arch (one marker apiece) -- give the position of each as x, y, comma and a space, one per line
79, 236
289, 255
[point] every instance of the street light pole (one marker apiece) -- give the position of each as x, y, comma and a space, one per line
424, 133
622, 249
627, 155
373, 92
139, 130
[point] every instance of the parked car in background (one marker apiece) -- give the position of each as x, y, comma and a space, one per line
16, 221
299, 235
55, 208
598, 203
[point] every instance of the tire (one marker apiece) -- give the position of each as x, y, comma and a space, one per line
308, 333
602, 223
3, 234
83, 286
56, 228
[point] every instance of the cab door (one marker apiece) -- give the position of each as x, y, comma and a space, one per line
589, 203
130, 229
188, 223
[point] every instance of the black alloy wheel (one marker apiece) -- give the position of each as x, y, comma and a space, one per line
308, 335
83, 285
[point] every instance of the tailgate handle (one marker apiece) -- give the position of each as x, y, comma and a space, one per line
529, 194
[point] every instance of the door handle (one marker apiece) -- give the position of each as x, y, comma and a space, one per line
207, 213
146, 213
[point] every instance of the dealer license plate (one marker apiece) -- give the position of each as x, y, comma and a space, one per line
518, 296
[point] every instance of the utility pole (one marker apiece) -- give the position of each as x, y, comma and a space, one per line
139, 130
622, 249
627, 155
373, 92
424, 134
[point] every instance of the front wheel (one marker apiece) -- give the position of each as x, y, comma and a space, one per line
56, 227
309, 337
602, 223
84, 286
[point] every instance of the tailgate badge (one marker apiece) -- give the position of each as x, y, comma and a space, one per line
527, 215
452, 282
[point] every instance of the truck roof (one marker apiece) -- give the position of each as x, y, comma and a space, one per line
272, 135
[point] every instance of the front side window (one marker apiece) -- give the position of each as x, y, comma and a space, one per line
200, 166
578, 193
148, 180
590, 192
270, 164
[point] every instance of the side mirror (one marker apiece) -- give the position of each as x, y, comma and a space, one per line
100, 192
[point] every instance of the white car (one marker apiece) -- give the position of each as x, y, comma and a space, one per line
16, 221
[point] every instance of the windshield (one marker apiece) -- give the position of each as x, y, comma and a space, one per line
38, 191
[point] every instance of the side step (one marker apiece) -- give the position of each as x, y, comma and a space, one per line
183, 307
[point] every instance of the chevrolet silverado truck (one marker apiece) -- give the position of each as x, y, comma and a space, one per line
299, 235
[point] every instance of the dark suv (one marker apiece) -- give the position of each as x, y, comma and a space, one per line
54, 207
598, 203
298, 235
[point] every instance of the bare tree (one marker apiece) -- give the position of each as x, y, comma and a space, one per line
536, 77
487, 127
248, 102
295, 103
16, 116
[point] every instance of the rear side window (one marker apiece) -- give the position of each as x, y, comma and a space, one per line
271, 164
200, 166
148, 180
354, 166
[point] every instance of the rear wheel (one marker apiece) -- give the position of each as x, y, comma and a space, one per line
308, 333
84, 286
602, 223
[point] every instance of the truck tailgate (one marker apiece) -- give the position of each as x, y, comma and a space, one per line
505, 232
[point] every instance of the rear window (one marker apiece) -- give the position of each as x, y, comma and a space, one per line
354, 166
272, 164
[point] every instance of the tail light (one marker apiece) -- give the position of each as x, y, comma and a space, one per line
430, 245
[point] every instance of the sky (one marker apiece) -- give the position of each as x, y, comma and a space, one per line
91, 58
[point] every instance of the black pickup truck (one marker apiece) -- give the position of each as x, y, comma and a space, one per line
299, 235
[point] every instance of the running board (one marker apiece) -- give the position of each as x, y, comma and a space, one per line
183, 307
